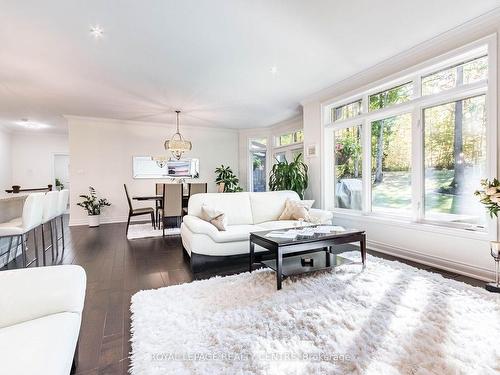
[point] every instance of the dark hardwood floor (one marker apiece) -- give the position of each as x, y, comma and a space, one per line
116, 269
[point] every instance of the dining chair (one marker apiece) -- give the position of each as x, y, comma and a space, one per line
50, 201
20, 228
195, 188
159, 203
138, 211
172, 203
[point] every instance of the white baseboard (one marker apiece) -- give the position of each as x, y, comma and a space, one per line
104, 220
434, 261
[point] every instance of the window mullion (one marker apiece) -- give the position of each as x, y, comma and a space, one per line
366, 175
364, 104
366, 152
417, 86
417, 177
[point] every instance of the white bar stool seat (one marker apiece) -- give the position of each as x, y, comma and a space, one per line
19, 228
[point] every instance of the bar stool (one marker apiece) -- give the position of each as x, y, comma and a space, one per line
19, 228
50, 206
62, 204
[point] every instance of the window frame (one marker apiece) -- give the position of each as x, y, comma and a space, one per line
286, 149
406, 82
250, 161
293, 133
334, 177
334, 108
416, 105
463, 63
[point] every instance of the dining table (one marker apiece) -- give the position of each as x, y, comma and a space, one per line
158, 199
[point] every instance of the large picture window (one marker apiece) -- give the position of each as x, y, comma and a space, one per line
391, 164
416, 147
348, 168
455, 160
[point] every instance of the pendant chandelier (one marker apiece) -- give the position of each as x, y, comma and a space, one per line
161, 161
177, 145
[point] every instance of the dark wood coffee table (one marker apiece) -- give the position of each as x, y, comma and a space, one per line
318, 247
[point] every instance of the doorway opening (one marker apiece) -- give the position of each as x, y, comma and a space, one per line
61, 172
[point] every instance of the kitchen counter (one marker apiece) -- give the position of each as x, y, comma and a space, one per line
6, 197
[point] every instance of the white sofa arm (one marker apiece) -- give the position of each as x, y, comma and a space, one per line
27, 294
197, 225
321, 216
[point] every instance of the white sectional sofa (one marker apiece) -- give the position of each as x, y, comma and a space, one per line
40, 316
246, 212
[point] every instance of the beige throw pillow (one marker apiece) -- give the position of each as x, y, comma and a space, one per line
215, 217
295, 210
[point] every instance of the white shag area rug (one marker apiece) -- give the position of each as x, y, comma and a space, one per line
146, 231
389, 319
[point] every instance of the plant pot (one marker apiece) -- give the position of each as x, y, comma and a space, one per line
220, 187
94, 220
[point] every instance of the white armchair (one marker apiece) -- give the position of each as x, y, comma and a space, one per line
41, 311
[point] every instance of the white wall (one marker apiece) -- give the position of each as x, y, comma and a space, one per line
269, 132
101, 155
5, 160
33, 157
456, 250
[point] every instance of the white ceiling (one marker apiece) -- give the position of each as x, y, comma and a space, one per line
210, 58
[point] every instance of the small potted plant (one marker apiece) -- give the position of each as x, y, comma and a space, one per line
59, 184
93, 205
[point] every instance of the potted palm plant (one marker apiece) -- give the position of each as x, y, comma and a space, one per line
93, 205
289, 176
226, 180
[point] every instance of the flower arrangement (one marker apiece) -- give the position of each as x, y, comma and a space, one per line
490, 195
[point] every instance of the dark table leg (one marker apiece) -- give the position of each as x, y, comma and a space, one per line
362, 245
252, 250
279, 266
327, 254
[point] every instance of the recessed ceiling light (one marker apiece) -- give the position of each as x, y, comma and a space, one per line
274, 69
25, 123
96, 31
